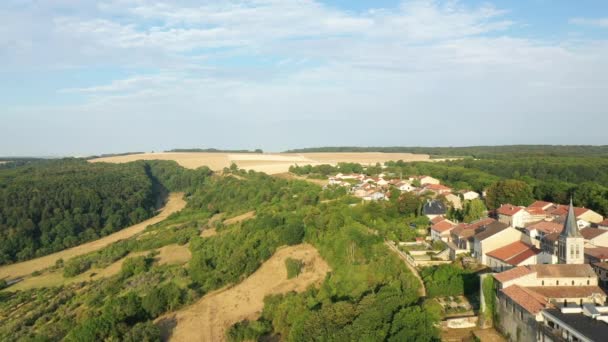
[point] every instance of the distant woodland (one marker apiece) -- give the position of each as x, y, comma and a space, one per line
493, 152
214, 150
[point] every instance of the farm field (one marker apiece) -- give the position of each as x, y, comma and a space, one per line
21, 269
210, 317
270, 163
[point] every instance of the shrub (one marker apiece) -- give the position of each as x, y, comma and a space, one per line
294, 267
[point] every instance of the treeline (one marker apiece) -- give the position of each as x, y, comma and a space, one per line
506, 151
47, 206
214, 150
52, 205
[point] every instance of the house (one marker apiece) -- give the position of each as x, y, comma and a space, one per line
596, 254
382, 182
512, 215
512, 255
463, 235
582, 214
469, 195
425, 180
524, 292
434, 208
440, 231
538, 230
595, 237
374, 196
454, 200
493, 236
603, 224
601, 269
519, 216
405, 186
542, 205
437, 189
584, 323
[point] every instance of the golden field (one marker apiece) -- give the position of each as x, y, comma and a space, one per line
270, 163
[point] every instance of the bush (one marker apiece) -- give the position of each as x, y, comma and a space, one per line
294, 267
76, 266
248, 331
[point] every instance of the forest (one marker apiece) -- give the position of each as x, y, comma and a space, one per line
485, 152
370, 294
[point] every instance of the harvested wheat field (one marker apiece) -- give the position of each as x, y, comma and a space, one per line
270, 163
175, 203
210, 317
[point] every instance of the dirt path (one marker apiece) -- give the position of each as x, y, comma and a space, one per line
210, 317
241, 218
175, 203
422, 289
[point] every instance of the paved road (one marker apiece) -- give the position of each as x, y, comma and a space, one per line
392, 247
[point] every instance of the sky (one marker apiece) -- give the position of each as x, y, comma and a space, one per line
88, 77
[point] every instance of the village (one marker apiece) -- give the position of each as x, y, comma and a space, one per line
543, 267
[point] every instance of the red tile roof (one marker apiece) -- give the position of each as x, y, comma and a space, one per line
546, 227
437, 219
536, 211
513, 273
508, 210
443, 226
603, 223
562, 210
529, 300
592, 233
559, 292
514, 253
540, 204
437, 187
600, 253
563, 271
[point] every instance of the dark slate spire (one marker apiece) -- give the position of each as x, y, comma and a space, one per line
570, 226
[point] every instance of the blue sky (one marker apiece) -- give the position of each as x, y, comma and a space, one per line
86, 77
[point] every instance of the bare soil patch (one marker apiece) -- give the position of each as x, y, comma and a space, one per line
241, 218
210, 317
56, 278
175, 204
174, 255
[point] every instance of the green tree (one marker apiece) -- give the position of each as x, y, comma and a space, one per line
508, 191
474, 210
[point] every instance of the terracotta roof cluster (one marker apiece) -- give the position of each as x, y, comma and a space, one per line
466, 230
515, 253
546, 227
592, 233
529, 300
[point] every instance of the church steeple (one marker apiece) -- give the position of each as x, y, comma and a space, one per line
571, 244
570, 225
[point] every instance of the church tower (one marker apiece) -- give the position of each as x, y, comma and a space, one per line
570, 247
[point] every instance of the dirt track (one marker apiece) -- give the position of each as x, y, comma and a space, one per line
210, 317
175, 203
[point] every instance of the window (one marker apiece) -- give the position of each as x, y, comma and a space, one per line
587, 281
557, 282
573, 283
543, 283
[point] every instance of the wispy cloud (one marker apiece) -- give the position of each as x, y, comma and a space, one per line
597, 22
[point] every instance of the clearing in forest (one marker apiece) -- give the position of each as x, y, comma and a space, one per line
270, 163
21, 269
210, 317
